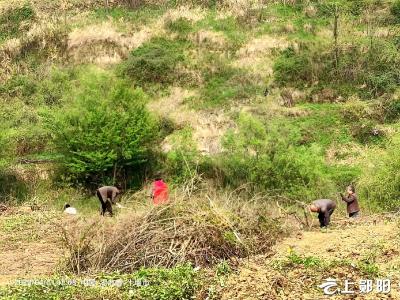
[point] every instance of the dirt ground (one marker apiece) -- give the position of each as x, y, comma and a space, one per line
370, 239
29, 246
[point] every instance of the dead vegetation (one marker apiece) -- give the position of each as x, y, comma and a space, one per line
349, 250
201, 228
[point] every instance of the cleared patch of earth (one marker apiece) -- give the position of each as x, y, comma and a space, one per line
347, 250
29, 245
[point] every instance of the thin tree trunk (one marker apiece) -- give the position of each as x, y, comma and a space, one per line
335, 36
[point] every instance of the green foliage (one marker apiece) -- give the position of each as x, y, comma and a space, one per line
12, 189
223, 83
270, 162
126, 17
103, 130
369, 73
183, 159
307, 261
155, 62
182, 26
223, 268
293, 68
14, 20
395, 10
379, 184
178, 283
37, 89
51, 90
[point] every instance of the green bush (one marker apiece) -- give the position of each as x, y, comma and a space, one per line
379, 184
155, 61
293, 68
395, 10
104, 129
369, 73
181, 26
224, 83
12, 20
182, 160
271, 164
50, 91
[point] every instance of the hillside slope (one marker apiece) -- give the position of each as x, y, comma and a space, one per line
365, 249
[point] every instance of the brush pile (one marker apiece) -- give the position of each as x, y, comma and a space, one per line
199, 229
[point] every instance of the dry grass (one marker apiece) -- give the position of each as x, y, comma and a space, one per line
28, 243
102, 44
338, 253
208, 126
199, 227
257, 55
210, 39
193, 14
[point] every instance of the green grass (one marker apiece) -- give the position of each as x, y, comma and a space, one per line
178, 283
236, 33
129, 19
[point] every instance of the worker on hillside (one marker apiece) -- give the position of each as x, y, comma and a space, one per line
108, 196
351, 199
324, 208
159, 192
68, 209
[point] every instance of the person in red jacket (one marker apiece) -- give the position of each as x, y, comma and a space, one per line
159, 192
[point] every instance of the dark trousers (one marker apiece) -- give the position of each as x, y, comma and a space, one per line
105, 204
324, 218
354, 214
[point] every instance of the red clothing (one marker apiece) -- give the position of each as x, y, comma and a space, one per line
160, 192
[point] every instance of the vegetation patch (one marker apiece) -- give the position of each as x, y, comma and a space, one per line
155, 62
15, 20
189, 229
154, 284
103, 130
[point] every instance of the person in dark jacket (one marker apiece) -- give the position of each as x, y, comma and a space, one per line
107, 196
353, 209
324, 208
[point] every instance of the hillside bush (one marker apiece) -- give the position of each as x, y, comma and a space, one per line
103, 130
379, 183
224, 83
155, 61
395, 10
368, 73
264, 159
182, 160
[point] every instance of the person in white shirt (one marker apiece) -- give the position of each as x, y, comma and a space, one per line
68, 209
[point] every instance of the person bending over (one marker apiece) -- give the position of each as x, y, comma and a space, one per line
107, 196
324, 208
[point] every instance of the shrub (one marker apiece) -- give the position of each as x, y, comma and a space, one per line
182, 160
270, 163
155, 61
379, 184
50, 91
224, 83
395, 10
368, 74
181, 26
104, 129
12, 20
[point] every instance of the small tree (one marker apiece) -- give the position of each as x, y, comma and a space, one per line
104, 129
